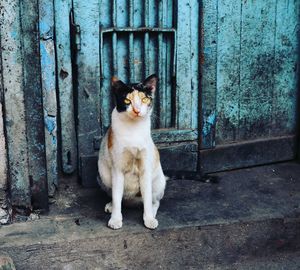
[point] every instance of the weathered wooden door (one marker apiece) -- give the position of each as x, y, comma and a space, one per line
132, 40
244, 62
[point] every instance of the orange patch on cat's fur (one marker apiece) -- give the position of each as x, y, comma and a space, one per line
110, 138
114, 79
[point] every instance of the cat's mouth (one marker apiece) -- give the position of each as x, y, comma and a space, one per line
134, 115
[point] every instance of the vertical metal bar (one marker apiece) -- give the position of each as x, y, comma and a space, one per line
131, 43
146, 41
162, 65
115, 54
115, 40
114, 13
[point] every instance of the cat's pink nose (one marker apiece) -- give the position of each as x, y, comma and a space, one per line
136, 111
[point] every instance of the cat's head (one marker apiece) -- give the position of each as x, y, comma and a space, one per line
135, 100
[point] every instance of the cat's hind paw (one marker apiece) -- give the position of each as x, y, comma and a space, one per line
115, 223
108, 208
151, 223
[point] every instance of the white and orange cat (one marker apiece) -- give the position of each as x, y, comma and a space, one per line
129, 163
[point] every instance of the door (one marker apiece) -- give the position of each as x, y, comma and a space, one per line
132, 40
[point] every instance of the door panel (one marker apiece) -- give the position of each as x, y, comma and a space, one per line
132, 40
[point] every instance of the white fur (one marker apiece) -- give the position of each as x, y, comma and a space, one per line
130, 166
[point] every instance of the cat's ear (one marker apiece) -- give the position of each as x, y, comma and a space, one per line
151, 82
117, 85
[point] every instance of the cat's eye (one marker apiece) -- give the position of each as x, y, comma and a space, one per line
127, 101
146, 100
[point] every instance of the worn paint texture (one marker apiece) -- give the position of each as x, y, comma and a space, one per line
257, 69
15, 118
65, 85
241, 56
136, 39
3, 150
3, 159
34, 104
86, 14
48, 72
208, 61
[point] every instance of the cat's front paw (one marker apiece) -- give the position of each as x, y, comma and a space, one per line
115, 223
151, 223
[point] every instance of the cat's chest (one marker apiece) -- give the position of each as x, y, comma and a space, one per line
133, 141
131, 158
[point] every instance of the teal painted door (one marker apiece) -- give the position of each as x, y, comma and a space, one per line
249, 85
132, 40
227, 68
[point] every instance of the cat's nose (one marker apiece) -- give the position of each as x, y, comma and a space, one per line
136, 111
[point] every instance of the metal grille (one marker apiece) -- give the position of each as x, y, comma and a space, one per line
137, 39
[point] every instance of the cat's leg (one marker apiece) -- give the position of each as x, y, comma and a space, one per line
159, 185
115, 221
155, 205
146, 189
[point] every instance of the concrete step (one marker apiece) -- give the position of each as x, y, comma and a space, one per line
249, 217
281, 261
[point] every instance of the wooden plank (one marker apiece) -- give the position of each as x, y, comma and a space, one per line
3, 150
138, 12
257, 69
195, 78
3, 146
3, 156
183, 74
86, 14
208, 62
106, 20
170, 136
47, 58
162, 94
228, 70
122, 13
169, 156
106, 94
34, 105
14, 104
165, 136
65, 86
250, 153
284, 107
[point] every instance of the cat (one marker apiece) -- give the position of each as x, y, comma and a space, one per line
129, 163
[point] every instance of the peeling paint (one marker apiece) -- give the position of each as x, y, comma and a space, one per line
3, 160
47, 54
14, 103
65, 83
50, 123
208, 124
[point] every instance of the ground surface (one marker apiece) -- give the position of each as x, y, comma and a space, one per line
248, 219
